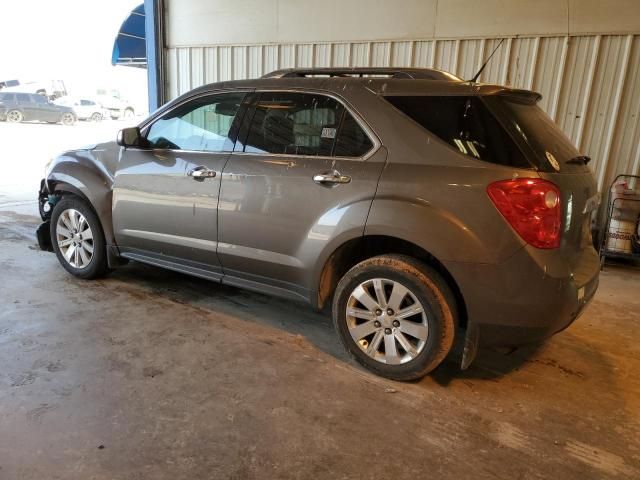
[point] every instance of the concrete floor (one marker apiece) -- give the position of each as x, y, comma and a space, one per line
151, 374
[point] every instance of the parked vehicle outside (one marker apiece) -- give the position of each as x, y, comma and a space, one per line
421, 210
118, 109
51, 89
8, 83
84, 108
26, 107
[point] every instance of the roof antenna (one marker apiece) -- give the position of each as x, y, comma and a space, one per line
475, 77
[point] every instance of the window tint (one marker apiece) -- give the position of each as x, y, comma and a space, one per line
23, 97
466, 124
294, 123
39, 99
535, 128
352, 141
202, 125
87, 103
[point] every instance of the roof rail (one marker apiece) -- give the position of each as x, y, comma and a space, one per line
406, 73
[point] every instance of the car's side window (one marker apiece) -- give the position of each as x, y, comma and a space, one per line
39, 99
23, 97
352, 141
294, 123
305, 124
202, 124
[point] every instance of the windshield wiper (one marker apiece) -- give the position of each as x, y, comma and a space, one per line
580, 160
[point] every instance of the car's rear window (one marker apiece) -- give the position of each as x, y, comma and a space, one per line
466, 124
532, 126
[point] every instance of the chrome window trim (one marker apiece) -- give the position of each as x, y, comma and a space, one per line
348, 108
146, 124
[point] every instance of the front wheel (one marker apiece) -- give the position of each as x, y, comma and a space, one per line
77, 238
395, 315
96, 117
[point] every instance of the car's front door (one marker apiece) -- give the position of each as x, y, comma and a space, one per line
304, 177
165, 197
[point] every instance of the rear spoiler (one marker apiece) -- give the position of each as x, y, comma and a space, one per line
522, 96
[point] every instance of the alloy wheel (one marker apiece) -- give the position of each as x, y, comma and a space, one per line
68, 119
14, 116
74, 238
387, 321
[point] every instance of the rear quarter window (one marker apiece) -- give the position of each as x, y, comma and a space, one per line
466, 124
550, 149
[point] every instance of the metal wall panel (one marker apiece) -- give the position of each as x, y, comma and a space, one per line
590, 84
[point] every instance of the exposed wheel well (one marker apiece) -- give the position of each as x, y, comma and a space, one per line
357, 250
66, 190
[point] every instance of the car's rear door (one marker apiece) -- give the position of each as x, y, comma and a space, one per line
26, 106
44, 110
302, 177
165, 199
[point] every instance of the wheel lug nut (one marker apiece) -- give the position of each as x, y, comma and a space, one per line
376, 324
396, 323
387, 331
378, 312
389, 311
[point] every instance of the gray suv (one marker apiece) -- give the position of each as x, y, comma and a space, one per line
423, 211
20, 107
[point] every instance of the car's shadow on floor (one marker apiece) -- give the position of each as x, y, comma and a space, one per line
297, 319
292, 317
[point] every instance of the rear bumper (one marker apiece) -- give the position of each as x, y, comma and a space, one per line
528, 298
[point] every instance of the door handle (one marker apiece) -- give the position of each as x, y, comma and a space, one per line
201, 172
334, 177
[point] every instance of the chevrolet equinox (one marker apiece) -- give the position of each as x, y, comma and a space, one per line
420, 209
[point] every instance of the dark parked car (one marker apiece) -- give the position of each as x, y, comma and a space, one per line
422, 209
19, 107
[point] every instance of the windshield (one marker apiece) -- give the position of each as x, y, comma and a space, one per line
551, 148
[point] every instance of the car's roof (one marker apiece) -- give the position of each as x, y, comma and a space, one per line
381, 81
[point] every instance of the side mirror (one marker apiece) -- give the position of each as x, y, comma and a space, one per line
131, 137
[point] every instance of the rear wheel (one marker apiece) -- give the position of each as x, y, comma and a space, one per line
395, 315
68, 118
15, 116
77, 238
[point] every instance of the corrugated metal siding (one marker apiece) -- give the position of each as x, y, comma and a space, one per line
590, 84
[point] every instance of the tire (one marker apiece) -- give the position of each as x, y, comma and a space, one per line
15, 116
96, 117
68, 119
94, 248
427, 333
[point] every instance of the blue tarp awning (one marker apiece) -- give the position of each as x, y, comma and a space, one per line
130, 47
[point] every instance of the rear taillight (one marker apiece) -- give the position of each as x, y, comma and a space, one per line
532, 207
